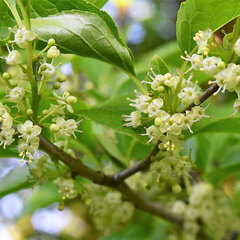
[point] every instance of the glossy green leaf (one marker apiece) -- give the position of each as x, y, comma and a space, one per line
86, 34
16, 179
110, 114
45, 8
43, 196
195, 15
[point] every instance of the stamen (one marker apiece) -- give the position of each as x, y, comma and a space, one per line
217, 91
154, 74
150, 140
190, 130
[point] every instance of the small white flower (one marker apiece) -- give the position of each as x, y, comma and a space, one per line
154, 107
47, 70
134, 118
66, 128
198, 112
6, 137
173, 125
28, 131
140, 103
5, 120
16, 93
228, 78
153, 133
14, 58
22, 36
188, 95
211, 65
157, 81
196, 61
188, 122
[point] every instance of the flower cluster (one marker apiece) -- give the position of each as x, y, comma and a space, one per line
227, 76
209, 207
162, 108
18, 88
110, 213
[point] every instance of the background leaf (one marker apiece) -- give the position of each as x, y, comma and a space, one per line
195, 15
110, 114
6, 21
42, 197
16, 179
158, 65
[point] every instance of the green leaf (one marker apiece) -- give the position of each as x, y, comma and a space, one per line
158, 66
110, 114
108, 144
222, 125
6, 21
16, 179
8, 152
170, 52
195, 15
42, 197
220, 121
143, 227
98, 3
89, 34
230, 165
45, 8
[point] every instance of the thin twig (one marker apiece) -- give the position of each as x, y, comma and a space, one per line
139, 166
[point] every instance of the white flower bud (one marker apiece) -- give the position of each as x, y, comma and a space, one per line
71, 100
53, 52
51, 42
29, 112
54, 128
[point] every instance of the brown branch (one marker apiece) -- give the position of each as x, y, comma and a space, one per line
139, 166
204, 96
78, 168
